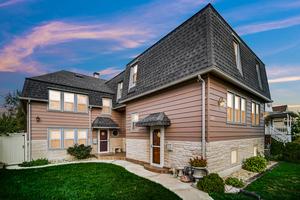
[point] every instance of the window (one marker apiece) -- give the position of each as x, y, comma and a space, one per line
69, 101
82, 136
133, 76
237, 55
243, 108
120, 90
54, 100
255, 151
106, 106
82, 103
54, 138
229, 107
134, 119
255, 113
236, 108
69, 138
233, 156
258, 76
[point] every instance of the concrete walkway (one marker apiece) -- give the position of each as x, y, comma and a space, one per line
183, 190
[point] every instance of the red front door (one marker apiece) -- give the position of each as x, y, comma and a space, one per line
156, 146
103, 141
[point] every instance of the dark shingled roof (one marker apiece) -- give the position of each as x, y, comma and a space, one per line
104, 122
155, 119
37, 87
203, 42
282, 108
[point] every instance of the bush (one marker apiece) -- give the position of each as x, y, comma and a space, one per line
80, 151
38, 162
255, 164
276, 147
211, 183
291, 152
235, 182
198, 162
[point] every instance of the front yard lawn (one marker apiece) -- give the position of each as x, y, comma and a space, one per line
283, 182
79, 181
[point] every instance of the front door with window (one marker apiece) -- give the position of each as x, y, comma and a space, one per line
156, 147
103, 141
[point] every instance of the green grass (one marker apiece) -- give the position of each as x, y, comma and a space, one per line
79, 181
283, 182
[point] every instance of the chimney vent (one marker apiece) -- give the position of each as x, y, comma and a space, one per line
96, 75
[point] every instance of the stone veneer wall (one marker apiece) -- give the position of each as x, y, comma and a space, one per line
138, 149
218, 153
181, 152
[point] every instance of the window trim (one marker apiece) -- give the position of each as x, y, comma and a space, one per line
255, 114
238, 57
60, 101
87, 103
63, 102
131, 83
62, 137
119, 92
131, 121
110, 110
234, 94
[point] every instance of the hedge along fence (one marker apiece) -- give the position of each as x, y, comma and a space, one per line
289, 152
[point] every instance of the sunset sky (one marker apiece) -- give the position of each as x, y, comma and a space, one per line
39, 36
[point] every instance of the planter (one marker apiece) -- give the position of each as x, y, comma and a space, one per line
199, 172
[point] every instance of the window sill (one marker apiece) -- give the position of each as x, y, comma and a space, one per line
60, 111
238, 124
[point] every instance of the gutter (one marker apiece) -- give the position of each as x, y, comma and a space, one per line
33, 99
29, 130
203, 145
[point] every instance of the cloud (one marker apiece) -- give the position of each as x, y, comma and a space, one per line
13, 55
110, 72
10, 2
267, 26
285, 79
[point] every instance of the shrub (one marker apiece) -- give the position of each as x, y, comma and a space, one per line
198, 162
80, 151
38, 162
291, 152
235, 182
211, 183
276, 147
255, 164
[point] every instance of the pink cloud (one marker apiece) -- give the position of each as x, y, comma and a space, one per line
110, 72
267, 26
284, 73
285, 79
13, 55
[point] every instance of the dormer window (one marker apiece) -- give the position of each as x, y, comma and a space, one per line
258, 75
133, 76
237, 54
120, 90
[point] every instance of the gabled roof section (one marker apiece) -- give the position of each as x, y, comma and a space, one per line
75, 80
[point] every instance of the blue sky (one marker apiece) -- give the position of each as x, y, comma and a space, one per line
39, 36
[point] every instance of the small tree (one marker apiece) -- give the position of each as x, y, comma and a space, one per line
296, 126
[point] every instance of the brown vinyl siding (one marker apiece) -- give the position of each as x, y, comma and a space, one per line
182, 104
217, 125
58, 119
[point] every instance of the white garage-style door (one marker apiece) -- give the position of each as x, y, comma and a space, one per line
13, 148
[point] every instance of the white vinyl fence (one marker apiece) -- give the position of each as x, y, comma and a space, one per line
13, 148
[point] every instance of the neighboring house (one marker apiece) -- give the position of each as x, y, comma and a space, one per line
200, 90
279, 122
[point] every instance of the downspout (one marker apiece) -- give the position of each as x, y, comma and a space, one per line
90, 125
29, 130
203, 116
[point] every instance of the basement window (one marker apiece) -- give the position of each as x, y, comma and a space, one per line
234, 156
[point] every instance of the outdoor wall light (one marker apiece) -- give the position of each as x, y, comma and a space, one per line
222, 102
38, 119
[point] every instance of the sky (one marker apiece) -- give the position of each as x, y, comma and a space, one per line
39, 36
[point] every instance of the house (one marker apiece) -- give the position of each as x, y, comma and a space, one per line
200, 90
279, 123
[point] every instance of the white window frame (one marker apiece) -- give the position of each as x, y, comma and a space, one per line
86, 134
234, 95
133, 71
64, 136
87, 103
257, 66
49, 138
119, 90
60, 100
110, 106
134, 119
254, 111
237, 54
74, 96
